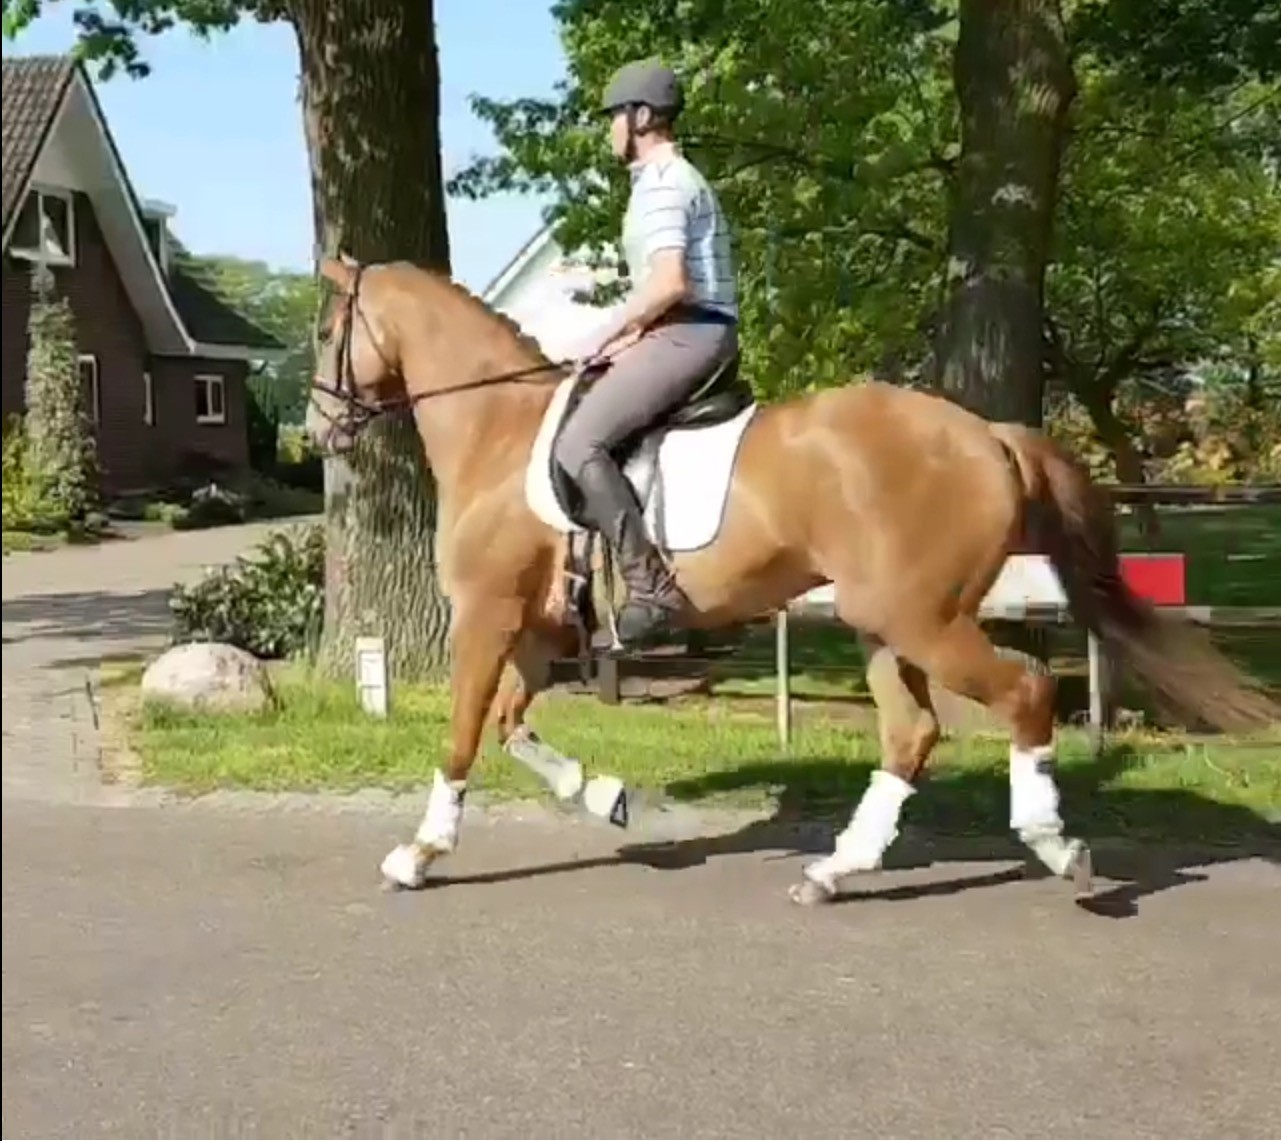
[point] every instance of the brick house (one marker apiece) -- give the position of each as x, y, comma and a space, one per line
163, 359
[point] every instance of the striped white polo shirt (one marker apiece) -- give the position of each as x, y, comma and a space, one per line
673, 207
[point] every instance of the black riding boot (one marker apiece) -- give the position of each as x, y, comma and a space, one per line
653, 598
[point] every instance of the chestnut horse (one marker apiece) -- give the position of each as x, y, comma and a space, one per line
908, 504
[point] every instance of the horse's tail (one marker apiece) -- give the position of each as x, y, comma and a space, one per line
1071, 520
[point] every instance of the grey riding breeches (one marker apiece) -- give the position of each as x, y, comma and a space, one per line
655, 374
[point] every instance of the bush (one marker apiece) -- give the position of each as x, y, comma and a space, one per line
271, 498
270, 601
22, 499
294, 445
262, 426
217, 504
155, 511
209, 506
213, 506
298, 464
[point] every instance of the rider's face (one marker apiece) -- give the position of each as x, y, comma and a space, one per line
618, 133
618, 128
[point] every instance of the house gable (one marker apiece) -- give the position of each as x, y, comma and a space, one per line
538, 289
55, 137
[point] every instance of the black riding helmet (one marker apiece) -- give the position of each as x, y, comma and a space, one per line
643, 82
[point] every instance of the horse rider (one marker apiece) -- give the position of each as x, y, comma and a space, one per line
678, 324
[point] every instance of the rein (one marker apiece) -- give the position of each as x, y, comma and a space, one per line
361, 410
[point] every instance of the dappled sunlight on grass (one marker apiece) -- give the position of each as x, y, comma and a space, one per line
1146, 784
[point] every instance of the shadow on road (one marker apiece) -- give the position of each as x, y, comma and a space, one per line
1167, 830
945, 823
104, 615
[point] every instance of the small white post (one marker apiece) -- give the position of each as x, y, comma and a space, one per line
1098, 690
782, 667
371, 676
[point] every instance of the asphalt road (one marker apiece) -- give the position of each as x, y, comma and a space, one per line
206, 972
231, 968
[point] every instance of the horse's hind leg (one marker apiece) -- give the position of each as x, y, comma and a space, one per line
528, 674
961, 657
909, 730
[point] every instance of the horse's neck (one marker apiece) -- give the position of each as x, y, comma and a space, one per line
485, 429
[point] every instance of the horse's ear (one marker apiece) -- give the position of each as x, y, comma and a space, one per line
340, 270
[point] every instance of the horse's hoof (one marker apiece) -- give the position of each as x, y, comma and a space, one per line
404, 868
810, 893
1080, 871
606, 798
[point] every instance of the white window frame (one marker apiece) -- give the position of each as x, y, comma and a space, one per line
41, 192
95, 387
216, 382
148, 399
162, 239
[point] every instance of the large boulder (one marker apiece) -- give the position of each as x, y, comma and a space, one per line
210, 677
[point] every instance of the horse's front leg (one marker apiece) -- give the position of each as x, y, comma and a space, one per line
481, 640
528, 674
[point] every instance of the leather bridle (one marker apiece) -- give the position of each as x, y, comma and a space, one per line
360, 410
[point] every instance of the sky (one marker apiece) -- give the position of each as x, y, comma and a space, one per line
216, 129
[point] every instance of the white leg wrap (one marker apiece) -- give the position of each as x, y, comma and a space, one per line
439, 828
1034, 797
1034, 807
872, 829
562, 775
406, 865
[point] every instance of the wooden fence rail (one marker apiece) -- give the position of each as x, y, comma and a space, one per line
1175, 495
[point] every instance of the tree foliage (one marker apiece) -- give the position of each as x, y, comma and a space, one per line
827, 128
110, 33
285, 304
1165, 271
834, 132
1194, 45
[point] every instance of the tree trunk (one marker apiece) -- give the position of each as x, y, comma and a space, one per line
1014, 83
371, 107
1119, 440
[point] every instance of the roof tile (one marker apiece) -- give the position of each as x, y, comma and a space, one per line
208, 317
33, 87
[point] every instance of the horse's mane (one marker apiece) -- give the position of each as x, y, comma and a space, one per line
481, 308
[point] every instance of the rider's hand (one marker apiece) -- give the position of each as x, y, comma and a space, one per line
600, 357
616, 345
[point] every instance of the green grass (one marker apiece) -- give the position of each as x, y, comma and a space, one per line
696, 750
19, 540
29, 541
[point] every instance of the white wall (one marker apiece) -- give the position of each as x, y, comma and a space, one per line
540, 299
57, 165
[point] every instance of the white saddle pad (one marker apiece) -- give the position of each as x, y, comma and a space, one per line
684, 497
